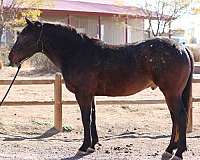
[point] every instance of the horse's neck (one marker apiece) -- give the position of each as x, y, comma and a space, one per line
60, 50
55, 59
63, 51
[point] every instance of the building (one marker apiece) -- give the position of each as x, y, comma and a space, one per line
111, 23
114, 24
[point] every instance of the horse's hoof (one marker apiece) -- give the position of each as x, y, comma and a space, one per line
81, 153
166, 156
90, 150
176, 158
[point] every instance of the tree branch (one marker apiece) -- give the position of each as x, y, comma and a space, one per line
163, 12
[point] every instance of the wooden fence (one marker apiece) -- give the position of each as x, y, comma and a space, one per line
58, 99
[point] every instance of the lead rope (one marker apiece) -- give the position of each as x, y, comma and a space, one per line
11, 85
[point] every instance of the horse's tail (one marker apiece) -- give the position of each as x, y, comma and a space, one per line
187, 94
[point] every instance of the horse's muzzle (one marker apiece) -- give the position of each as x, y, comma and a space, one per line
10, 57
13, 58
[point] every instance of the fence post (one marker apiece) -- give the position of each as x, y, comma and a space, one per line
58, 102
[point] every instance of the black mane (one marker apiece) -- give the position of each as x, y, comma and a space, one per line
71, 33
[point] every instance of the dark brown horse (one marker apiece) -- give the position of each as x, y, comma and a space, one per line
92, 68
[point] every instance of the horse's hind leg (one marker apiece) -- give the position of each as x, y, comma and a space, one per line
179, 117
182, 126
95, 138
174, 136
173, 141
85, 103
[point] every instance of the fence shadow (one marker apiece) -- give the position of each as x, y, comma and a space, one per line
137, 135
51, 132
147, 135
47, 134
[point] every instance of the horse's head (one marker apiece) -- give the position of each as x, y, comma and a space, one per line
28, 42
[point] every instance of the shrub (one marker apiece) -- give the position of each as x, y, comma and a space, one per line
4, 55
195, 49
41, 63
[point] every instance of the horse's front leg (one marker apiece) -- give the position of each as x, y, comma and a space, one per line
85, 103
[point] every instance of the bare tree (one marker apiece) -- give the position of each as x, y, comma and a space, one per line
161, 13
13, 9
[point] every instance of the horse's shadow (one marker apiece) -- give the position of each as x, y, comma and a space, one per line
75, 157
49, 133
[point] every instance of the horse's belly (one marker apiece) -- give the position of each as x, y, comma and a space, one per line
128, 92
123, 89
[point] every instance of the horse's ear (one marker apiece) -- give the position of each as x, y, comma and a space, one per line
28, 21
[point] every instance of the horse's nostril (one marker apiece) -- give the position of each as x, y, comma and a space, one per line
10, 56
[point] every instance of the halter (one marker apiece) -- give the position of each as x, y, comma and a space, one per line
39, 41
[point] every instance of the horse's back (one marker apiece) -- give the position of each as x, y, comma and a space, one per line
138, 66
169, 64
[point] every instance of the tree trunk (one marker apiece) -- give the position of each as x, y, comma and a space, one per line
1, 33
170, 31
1, 20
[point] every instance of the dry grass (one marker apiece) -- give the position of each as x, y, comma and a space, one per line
195, 49
41, 63
4, 56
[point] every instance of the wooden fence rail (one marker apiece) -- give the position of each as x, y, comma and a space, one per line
58, 98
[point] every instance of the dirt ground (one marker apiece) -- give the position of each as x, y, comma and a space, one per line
127, 132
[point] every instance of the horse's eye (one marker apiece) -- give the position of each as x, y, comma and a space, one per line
18, 32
